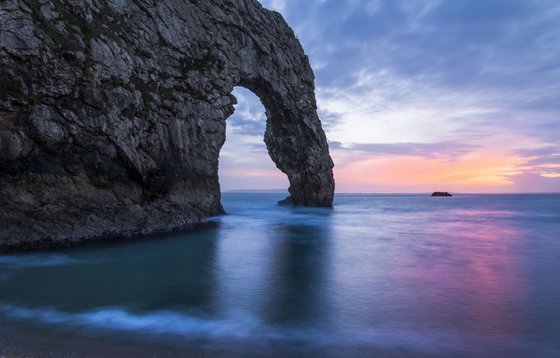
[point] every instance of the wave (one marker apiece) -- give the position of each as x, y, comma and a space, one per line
23, 261
237, 327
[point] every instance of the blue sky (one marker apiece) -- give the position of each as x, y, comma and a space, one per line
419, 95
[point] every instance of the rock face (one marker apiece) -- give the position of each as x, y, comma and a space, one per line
113, 113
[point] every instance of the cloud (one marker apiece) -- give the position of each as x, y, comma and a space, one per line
249, 117
441, 150
453, 42
504, 53
244, 160
277, 5
329, 119
435, 80
543, 162
544, 152
476, 172
535, 183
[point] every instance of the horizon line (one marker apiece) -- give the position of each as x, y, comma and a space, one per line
285, 191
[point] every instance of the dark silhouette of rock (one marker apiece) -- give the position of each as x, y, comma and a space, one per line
286, 202
112, 114
441, 193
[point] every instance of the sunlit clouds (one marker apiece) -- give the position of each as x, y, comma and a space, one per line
458, 95
476, 172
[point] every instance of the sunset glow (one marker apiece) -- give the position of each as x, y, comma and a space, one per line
420, 96
478, 173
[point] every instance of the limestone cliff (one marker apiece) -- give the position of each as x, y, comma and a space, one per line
112, 113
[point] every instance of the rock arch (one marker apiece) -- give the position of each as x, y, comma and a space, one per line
112, 114
298, 150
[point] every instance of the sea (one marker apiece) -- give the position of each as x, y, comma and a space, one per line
375, 276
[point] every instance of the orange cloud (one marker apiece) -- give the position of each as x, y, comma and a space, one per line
475, 172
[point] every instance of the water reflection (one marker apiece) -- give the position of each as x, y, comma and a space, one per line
298, 276
481, 283
185, 278
143, 276
475, 271
375, 276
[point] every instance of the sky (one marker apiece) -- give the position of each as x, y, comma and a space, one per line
420, 95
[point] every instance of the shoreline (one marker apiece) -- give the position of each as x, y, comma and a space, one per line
111, 238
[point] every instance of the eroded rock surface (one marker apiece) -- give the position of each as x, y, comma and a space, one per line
112, 113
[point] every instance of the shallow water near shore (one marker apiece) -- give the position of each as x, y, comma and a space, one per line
397, 275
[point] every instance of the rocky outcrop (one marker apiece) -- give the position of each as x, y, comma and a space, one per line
441, 194
113, 112
286, 201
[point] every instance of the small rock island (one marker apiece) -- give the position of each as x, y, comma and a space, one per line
441, 193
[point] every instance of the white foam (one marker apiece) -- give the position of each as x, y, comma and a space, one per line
239, 326
236, 326
39, 260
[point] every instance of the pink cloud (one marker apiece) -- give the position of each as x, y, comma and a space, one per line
535, 183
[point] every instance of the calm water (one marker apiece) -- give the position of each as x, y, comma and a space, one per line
379, 275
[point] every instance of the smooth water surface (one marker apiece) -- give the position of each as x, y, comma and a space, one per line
389, 275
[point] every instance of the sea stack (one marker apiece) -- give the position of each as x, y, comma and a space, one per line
441, 193
113, 114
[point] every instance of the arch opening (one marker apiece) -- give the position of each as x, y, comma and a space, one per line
244, 161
